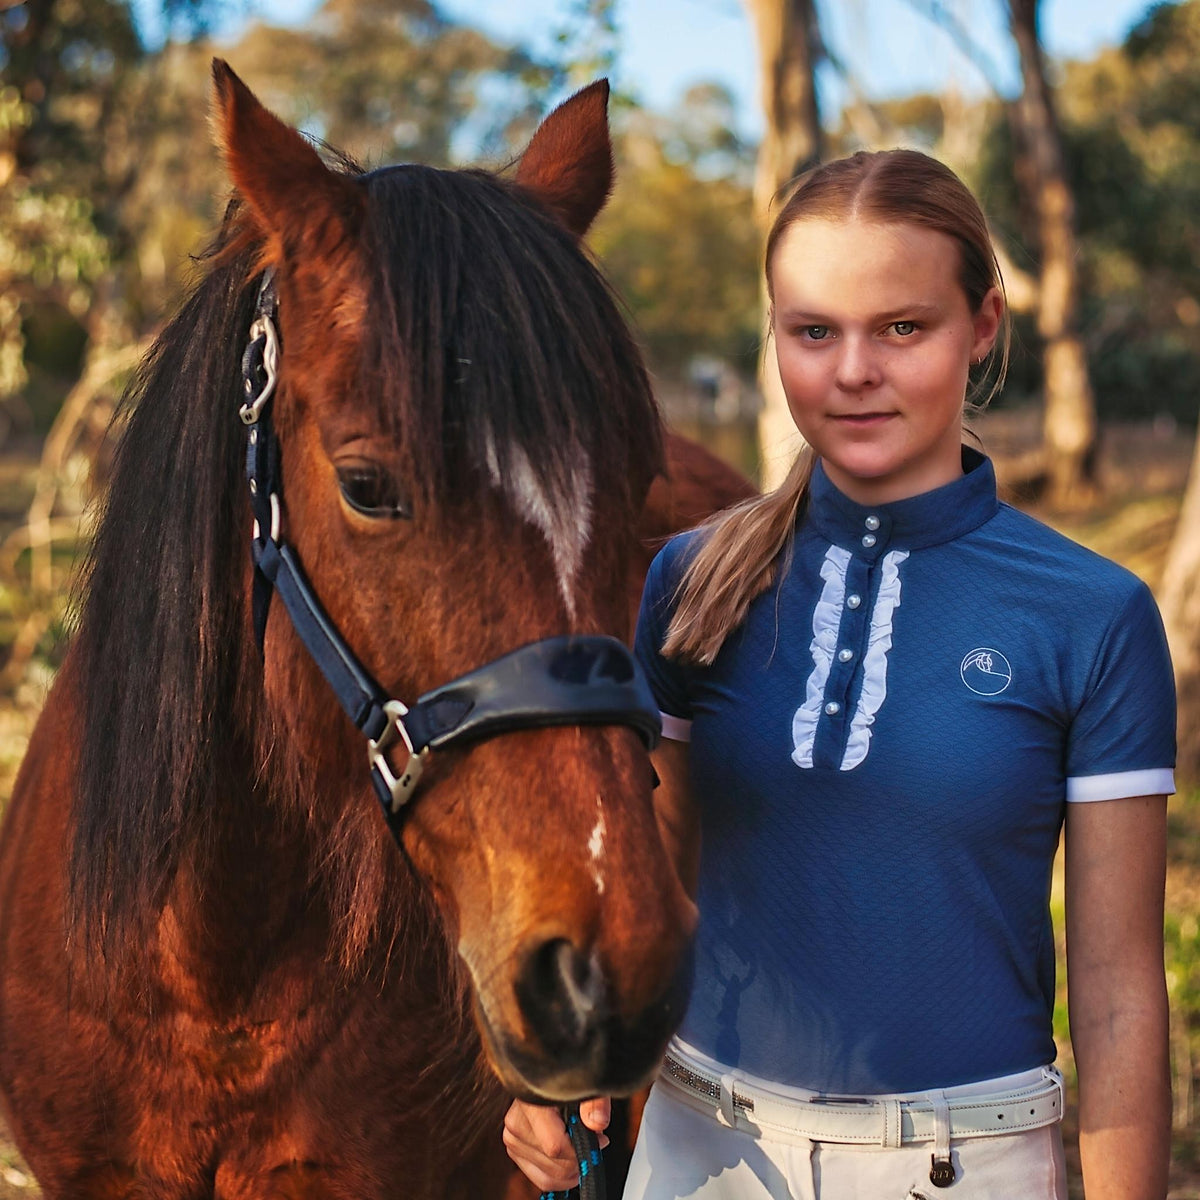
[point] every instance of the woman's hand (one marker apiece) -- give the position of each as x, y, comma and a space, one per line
536, 1140
1116, 863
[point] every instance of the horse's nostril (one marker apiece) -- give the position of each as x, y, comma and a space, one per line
561, 992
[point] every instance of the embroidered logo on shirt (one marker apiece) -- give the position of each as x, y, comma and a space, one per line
986, 671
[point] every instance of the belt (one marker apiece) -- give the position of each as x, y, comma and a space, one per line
868, 1120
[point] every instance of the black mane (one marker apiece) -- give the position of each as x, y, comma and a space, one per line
160, 649
492, 340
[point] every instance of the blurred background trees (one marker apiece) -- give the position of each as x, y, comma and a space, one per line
1090, 172
109, 182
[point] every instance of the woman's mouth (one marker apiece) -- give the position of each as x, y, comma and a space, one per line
863, 420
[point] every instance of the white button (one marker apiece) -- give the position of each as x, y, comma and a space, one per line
853, 601
845, 655
869, 539
833, 708
872, 522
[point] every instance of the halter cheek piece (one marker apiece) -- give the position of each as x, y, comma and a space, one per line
576, 680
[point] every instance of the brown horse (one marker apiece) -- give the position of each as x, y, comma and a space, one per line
219, 976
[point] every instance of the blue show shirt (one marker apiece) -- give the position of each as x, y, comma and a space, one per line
881, 755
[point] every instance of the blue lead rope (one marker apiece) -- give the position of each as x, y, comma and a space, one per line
591, 1162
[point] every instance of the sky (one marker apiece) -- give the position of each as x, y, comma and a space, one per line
887, 46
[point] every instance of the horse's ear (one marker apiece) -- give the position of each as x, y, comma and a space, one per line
282, 179
568, 165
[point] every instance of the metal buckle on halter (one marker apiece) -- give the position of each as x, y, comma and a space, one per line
264, 328
399, 786
276, 521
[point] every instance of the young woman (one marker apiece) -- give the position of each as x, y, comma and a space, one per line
884, 692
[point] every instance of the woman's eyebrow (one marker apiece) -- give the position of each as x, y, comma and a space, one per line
806, 316
909, 310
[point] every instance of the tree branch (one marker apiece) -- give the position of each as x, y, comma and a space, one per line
937, 12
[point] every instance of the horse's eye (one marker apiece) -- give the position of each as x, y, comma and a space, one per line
371, 490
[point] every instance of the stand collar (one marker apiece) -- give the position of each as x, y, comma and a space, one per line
930, 519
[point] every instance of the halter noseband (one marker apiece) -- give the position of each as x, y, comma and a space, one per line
586, 679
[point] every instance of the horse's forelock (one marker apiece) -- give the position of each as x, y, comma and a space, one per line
502, 358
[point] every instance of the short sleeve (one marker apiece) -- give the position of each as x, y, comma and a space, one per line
667, 678
1122, 739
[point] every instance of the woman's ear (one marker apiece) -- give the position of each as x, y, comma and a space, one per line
987, 321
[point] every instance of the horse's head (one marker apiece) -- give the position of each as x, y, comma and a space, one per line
467, 436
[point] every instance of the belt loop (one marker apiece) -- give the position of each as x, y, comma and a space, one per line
727, 1113
941, 1125
941, 1170
892, 1124
1054, 1075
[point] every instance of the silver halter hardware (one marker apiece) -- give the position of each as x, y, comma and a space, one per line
400, 786
263, 327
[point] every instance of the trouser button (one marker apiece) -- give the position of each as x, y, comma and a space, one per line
941, 1173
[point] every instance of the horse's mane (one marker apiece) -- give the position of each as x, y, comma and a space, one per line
160, 647
495, 357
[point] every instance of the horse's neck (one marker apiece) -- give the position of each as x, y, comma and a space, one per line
253, 916
240, 904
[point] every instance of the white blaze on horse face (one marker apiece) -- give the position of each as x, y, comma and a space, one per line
596, 847
566, 524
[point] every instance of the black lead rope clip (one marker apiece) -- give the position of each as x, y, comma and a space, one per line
586, 1144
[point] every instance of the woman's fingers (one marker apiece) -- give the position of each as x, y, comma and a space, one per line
596, 1114
536, 1140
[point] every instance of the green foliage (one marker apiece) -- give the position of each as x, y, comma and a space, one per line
49, 248
677, 238
587, 41
63, 68
1131, 133
393, 81
1182, 945
110, 180
65, 61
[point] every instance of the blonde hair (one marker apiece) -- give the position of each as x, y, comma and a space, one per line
746, 547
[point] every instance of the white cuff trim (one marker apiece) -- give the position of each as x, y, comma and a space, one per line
1158, 781
676, 728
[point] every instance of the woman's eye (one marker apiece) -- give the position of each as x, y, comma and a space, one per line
371, 490
904, 328
816, 333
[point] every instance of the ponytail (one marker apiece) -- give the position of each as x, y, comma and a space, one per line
745, 548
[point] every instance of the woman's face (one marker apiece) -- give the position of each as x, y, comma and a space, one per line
875, 336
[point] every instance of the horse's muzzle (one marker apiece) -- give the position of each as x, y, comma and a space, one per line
577, 1044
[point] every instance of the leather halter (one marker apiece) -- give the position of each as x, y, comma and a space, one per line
586, 679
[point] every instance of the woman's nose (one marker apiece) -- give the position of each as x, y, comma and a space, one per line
858, 365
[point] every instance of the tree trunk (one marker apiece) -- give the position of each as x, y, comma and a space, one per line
1180, 601
1069, 430
788, 48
